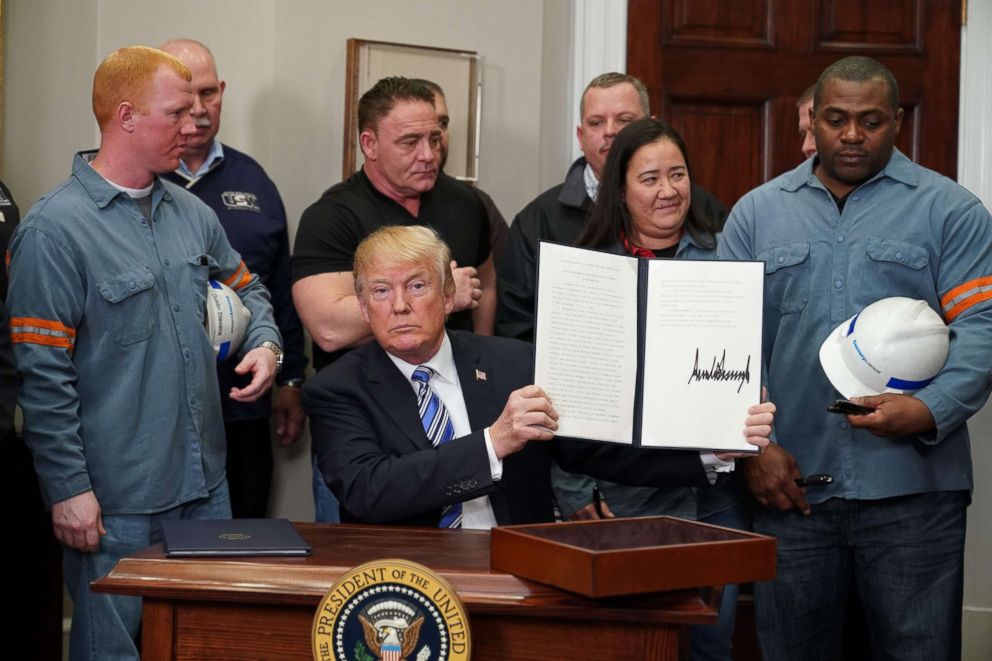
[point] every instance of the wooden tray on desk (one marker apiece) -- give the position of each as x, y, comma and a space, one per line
615, 557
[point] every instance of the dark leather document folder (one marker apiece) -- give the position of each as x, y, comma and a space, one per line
232, 537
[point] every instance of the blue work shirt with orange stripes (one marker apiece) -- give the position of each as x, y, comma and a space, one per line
119, 386
908, 231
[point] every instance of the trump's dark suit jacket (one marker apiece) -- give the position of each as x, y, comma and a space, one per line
375, 456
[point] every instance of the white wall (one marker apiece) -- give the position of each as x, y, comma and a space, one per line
557, 121
284, 64
975, 173
49, 49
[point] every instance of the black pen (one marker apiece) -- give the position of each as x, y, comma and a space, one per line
597, 501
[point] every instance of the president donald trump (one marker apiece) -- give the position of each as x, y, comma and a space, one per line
432, 427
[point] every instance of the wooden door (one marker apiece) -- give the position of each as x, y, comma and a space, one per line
727, 73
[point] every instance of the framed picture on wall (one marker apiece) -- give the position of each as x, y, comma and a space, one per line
455, 71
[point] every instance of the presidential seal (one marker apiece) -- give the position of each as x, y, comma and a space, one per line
234, 536
390, 610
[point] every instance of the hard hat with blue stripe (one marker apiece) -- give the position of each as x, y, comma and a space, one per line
895, 345
226, 319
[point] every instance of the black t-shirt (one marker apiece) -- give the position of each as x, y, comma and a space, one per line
332, 227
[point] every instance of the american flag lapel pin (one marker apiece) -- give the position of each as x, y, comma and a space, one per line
480, 375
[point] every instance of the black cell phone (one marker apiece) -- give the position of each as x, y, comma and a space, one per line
820, 480
848, 407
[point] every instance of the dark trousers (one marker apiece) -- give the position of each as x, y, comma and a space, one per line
249, 467
905, 557
34, 559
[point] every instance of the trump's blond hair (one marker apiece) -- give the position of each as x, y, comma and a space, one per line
397, 245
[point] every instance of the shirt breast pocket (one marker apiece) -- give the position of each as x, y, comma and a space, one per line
895, 268
131, 297
200, 267
787, 277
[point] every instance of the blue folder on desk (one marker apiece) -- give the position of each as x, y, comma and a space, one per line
231, 537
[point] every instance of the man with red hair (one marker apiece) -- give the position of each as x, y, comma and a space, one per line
107, 298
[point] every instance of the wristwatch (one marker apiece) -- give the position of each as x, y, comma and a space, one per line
276, 349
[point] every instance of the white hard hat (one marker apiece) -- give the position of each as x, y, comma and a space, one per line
227, 319
894, 345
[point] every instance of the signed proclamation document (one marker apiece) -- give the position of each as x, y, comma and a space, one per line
654, 353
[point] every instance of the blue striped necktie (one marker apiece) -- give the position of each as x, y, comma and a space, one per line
437, 426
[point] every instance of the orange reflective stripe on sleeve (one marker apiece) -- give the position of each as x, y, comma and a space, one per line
956, 293
47, 332
245, 279
35, 322
965, 296
949, 315
235, 277
37, 338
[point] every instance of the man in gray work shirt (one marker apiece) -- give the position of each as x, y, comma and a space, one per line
107, 297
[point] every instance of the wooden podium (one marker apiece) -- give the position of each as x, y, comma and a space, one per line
263, 608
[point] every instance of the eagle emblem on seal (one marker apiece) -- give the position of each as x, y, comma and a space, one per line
391, 628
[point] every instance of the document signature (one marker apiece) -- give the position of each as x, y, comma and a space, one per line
718, 371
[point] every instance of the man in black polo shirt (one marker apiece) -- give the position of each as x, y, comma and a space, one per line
397, 185
497, 224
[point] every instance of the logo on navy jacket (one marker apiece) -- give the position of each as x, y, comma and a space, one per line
243, 201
